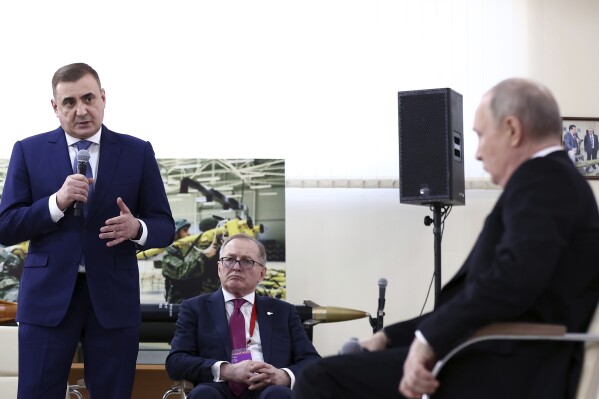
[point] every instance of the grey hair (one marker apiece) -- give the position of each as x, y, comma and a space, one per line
530, 102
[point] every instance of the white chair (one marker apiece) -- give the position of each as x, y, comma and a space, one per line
588, 386
9, 364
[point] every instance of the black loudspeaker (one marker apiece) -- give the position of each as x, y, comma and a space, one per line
431, 147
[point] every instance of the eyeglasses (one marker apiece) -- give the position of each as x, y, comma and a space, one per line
244, 264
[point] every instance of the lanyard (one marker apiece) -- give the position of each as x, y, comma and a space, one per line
252, 323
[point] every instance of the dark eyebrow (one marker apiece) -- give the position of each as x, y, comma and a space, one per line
84, 97
68, 99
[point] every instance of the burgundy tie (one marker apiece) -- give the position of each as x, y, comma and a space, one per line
237, 333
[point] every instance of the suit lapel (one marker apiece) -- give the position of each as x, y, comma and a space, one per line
265, 316
107, 167
57, 156
216, 308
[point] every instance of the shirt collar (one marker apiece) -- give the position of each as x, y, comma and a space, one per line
94, 139
547, 151
229, 297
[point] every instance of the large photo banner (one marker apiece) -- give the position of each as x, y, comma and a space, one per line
210, 200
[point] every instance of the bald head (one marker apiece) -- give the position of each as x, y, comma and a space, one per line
529, 102
516, 119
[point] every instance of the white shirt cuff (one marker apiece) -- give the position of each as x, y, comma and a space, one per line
291, 377
216, 371
420, 337
144, 233
55, 213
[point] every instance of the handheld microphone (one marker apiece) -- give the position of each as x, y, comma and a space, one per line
82, 159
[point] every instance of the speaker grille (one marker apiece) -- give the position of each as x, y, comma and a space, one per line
430, 143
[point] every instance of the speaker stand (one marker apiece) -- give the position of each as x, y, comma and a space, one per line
440, 212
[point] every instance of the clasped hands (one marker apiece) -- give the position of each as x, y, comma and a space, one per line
417, 378
116, 229
256, 374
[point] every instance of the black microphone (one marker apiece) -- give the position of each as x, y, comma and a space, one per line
380, 312
82, 158
352, 346
382, 288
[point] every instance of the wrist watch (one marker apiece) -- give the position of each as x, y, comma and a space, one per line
139, 232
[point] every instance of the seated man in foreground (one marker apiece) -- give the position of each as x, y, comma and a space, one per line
232, 343
534, 261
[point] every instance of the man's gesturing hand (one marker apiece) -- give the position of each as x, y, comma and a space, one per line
120, 228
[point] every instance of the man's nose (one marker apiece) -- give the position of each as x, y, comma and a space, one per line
81, 109
237, 265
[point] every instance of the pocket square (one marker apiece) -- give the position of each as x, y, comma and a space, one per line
269, 313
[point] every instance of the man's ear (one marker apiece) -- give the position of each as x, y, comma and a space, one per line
54, 106
513, 127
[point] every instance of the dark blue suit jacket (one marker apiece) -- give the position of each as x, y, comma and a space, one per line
202, 337
38, 167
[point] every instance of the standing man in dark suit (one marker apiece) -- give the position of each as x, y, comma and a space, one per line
571, 142
534, 261
591, 145
80, 280
275, 348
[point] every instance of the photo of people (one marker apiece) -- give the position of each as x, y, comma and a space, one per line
580, 139
210, 199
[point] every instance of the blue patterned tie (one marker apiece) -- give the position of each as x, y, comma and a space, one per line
84, 145
237, 333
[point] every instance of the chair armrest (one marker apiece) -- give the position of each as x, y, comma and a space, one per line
524, 329
516, 331
186, 385
508, 331
180, 388
74, 389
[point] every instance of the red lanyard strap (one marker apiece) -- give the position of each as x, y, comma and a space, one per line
252, 322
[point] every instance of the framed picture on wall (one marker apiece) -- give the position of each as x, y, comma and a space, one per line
580, 137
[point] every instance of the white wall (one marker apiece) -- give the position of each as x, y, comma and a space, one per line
344, 240
562, 43
241, 78
314, 82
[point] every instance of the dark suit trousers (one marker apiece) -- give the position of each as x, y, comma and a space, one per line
220, 390
46, 354
362, 375
369, 375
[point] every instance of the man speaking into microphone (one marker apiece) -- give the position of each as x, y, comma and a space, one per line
80, 280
